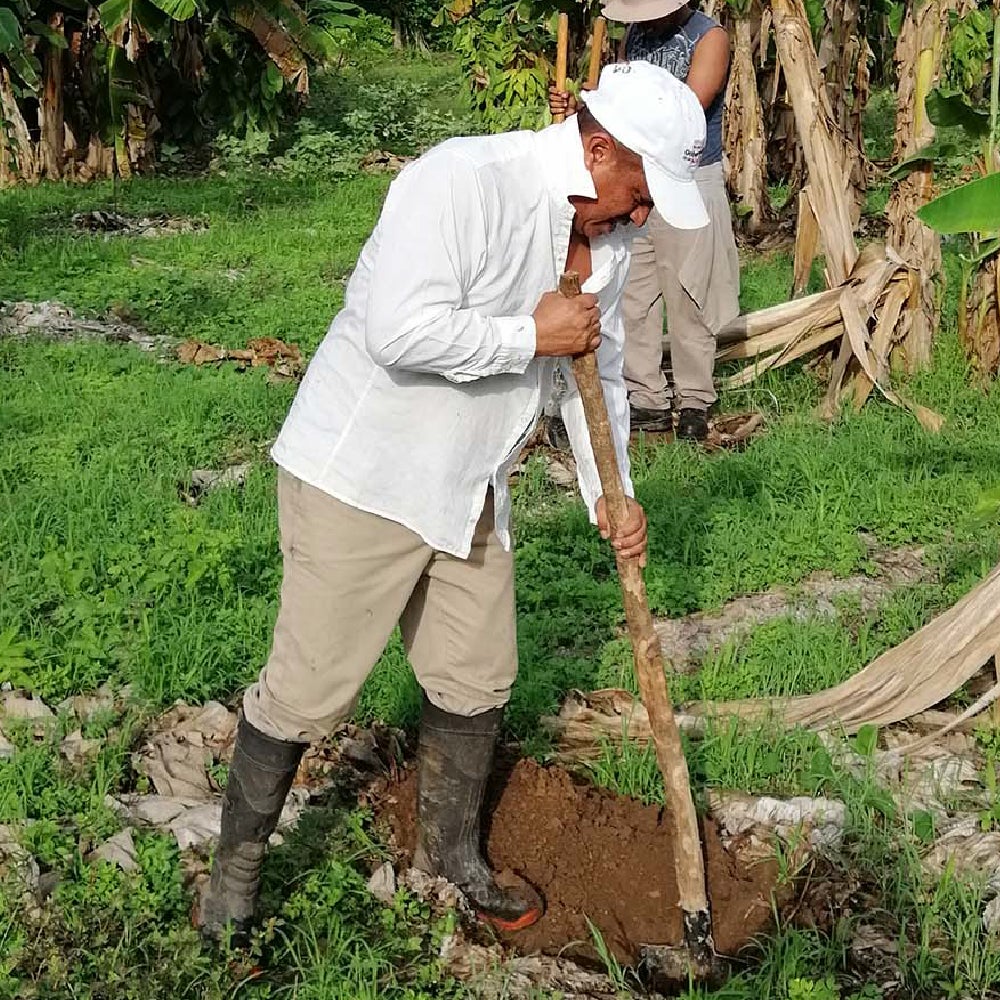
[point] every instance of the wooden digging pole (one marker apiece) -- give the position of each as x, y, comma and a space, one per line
689, 862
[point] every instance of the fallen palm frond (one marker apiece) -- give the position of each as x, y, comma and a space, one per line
903, 682
863, 313
285, 360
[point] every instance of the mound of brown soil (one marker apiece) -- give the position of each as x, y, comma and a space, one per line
598, 856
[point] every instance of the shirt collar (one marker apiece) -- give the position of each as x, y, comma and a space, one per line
562, 160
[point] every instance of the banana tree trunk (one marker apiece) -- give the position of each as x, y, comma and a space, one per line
746, 142
18, 162
979, 319
784, 151
919, 52
141, 125
828, 159
843, 60
50, 111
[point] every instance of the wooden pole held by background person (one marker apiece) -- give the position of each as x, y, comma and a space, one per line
562, 57
596, 51
689, 862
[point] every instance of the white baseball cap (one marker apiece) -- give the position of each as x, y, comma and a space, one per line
647, 109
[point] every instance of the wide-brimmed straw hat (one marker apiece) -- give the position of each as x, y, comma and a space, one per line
629, 11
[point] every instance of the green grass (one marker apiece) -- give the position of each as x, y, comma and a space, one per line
273, 261
108, 575
108, 933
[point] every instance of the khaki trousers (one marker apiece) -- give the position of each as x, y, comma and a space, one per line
695, 275
349, 577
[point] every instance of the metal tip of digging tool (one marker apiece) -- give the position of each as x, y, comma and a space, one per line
669, 969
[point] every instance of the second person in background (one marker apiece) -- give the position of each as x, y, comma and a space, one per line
692, 274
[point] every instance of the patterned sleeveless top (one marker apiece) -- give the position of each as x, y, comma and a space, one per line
674, 50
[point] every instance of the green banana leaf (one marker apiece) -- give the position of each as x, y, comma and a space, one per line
177, 10
141, 14
972, 208
948, 110
936, 152
10, 31
43, 31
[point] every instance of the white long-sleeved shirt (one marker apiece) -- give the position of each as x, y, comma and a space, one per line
425, 388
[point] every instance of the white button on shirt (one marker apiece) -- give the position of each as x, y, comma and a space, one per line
425, 388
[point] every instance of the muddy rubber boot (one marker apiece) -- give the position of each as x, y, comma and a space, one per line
456, 757
259, 779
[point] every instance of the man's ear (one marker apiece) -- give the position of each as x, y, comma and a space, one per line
598, 148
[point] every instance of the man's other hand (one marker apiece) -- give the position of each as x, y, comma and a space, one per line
561, 102
630, 542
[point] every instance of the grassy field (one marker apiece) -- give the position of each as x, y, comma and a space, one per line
108, 576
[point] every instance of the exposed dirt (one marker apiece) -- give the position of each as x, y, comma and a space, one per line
56, 322
593, 854
115, 223
686, 640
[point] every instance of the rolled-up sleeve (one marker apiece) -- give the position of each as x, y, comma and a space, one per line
433, 240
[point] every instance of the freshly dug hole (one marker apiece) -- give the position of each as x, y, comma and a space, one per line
594, 854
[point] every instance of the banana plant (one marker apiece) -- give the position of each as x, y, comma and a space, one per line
129, 26
973, 209
20, 74
17, 57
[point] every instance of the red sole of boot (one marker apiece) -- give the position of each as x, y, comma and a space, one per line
509, 926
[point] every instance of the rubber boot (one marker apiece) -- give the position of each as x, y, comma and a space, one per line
456, 757
259, 779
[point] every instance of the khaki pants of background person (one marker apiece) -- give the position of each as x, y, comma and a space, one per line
349, 577
695, 274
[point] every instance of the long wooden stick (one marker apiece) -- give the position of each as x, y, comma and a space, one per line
562, 55
688, 860
596, 47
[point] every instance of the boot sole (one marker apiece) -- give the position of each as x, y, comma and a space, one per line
510, 926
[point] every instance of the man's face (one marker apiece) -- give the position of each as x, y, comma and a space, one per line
622, 193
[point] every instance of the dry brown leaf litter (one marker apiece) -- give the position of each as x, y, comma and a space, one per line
284, 360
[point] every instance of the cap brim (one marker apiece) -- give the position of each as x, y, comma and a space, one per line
678, 202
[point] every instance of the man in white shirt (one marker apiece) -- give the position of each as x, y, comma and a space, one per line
394, 460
